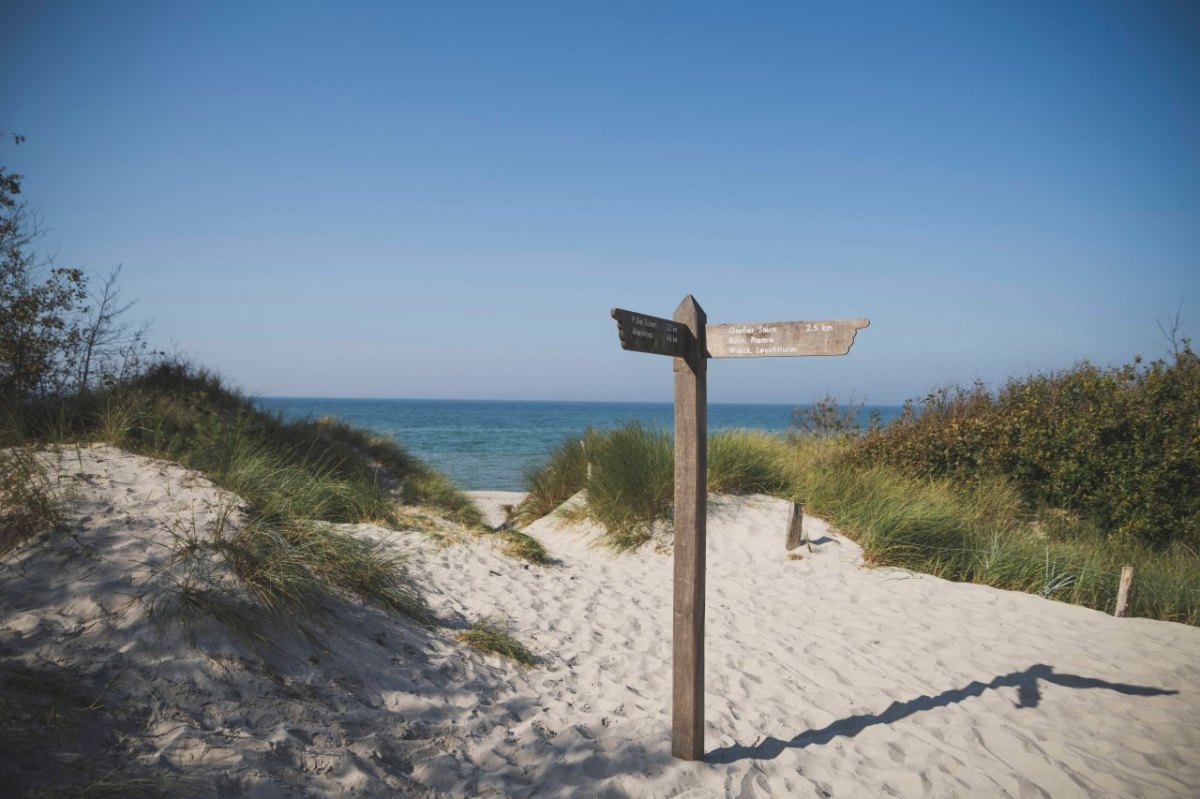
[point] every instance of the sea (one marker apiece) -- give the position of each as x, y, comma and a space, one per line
491, 444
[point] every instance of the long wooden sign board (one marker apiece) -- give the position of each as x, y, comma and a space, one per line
774, 339
653, 334
691, 341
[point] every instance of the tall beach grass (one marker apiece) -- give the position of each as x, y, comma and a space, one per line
981, 531
297, 480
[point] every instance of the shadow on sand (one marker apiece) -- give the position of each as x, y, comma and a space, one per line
1028, 694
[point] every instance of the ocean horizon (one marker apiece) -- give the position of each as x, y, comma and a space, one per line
491, 444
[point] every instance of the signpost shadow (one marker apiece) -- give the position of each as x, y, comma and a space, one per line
1028, 693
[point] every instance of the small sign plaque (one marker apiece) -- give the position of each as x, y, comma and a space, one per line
781, 339
643, 333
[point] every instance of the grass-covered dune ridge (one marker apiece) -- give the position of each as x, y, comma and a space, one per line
322, 469
629, 476
298, 480
954, 488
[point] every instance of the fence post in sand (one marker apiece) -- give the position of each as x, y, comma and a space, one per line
795, 524
1123, 591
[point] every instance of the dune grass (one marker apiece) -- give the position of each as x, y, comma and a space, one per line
557, 479
985, 534
630, 484
492, 636
29, 503
297, 479
522, 546
980, 531
322, 469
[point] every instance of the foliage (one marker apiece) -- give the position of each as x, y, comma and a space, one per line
54, 336
490, 635
828, 417
29, 505
984, 534
631, 484
1119, 447
558, 478
980, 530
523, 546
746, 462
36, 302
318, 470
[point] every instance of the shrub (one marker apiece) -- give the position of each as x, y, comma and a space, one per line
1118, 447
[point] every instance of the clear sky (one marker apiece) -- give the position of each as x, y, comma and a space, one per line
445, 199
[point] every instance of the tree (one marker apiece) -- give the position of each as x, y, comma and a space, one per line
108, 348
38, 330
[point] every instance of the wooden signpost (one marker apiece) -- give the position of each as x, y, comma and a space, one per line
691, 341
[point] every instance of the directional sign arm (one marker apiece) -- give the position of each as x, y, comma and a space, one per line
644, 333
783, 339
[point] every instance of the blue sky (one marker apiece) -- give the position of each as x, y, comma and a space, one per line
445, 199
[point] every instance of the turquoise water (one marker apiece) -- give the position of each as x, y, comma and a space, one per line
488, 444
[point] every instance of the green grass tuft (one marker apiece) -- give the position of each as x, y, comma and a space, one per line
29, 504
489, 635
562, 475
523, 547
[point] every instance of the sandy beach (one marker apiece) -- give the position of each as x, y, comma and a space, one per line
825, 678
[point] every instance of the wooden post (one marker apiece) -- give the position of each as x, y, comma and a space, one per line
690, 341
691, 499
1123, 591
795, 536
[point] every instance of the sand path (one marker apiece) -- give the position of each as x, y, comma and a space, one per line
824, 678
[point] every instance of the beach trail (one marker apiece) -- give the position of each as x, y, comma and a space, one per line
824, 678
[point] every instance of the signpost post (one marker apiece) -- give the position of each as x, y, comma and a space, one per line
691, 341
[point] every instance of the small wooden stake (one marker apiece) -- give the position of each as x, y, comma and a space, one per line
691, 499
1123, 591
795, 535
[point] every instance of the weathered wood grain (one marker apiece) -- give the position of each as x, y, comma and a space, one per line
795, 536
645, 333
691, 468
691, 342
1123, 591
783, 339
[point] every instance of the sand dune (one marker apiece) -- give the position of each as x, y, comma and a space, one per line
824, 678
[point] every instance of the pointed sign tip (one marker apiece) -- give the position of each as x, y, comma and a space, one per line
689, 302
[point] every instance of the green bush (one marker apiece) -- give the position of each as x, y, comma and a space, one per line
1118, 447
983, 533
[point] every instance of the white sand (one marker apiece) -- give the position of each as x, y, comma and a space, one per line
496, 505
824, 678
